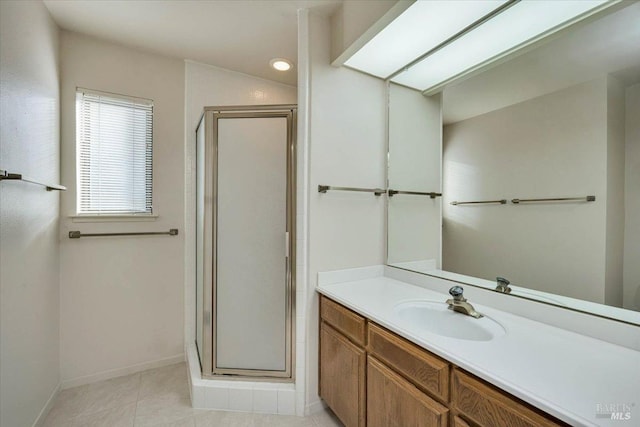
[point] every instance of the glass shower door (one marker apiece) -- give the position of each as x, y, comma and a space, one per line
245, 244
251, 233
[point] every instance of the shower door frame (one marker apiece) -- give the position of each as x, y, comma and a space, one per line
208, 358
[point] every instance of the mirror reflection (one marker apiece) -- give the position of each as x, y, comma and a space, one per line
558, 121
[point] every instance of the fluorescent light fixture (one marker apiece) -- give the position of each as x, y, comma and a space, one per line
280, 64
420, 28
517, 26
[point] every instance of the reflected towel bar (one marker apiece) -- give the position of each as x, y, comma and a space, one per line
518, 201
18, 177
376, 191
502, 202
76, 234
433, 195
558, 199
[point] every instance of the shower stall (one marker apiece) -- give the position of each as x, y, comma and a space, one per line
245, 240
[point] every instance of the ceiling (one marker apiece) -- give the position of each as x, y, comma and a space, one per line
243, 35
240, 35
609, 45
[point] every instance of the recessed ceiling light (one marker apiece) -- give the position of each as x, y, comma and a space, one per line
280, 64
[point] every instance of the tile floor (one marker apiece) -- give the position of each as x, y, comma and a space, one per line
158, 397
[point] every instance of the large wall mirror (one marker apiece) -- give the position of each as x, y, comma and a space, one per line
559, 121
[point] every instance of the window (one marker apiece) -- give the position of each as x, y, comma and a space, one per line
114, 142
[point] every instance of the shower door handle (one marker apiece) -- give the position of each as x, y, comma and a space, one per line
286, 244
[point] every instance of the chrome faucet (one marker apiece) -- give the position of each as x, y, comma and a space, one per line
503, 285
460, 304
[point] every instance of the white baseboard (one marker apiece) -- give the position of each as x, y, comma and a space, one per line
47, 407
113, 373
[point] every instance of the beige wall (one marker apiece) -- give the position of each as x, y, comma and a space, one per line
347, 147
553, 145
121, 299
29, 144
632, 200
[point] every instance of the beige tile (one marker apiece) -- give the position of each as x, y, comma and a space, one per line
168, 379
226, 419
246, 419
164, 409
117, 417
326, 418
55, 419
93, 398
185, 422
283, 421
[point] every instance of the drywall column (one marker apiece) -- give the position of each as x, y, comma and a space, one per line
29, 273
344, 111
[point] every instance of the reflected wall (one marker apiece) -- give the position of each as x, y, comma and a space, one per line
415, 141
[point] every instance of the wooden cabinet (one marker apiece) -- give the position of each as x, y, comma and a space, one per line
371, 377
427, 371
486, 405
392, 401
342, 376
350, 324
458, 422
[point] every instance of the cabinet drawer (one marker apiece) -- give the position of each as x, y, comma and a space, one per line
342, 376
344, 320
425, 370
392, 401
488, 406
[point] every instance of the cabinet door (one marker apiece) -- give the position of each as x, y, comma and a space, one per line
392, 401
342, 376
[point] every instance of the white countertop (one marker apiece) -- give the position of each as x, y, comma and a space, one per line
563, 373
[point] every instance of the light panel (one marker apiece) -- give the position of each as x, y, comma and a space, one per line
420, 28
505, 32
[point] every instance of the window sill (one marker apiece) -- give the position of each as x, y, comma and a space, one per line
113, 218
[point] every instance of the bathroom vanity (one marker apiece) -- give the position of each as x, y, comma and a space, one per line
396, 382
381, 367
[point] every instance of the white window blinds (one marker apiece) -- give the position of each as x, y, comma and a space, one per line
114, 138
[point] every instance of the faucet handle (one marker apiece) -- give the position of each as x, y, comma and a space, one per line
503, 281
456, 293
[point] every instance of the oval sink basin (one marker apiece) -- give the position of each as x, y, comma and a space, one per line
436, 318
